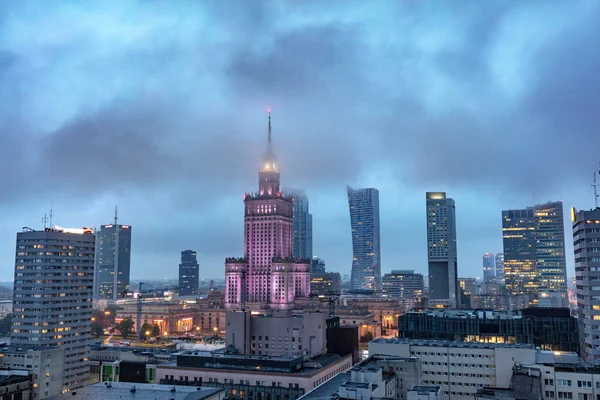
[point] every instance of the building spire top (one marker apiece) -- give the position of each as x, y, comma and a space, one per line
269, 127
116, 215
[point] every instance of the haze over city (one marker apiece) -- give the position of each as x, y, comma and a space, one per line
161, 109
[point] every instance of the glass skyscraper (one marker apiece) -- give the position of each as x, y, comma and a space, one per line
188, 273
113, 261
500, 267
441, 250
364, 222
489, 272
534, 254
302, 226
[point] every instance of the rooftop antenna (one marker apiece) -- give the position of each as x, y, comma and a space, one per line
51, 216
45, 220
269, 126
116, 215
595, 186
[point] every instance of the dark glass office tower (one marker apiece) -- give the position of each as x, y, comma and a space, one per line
489, 272
534, 254
364, 222
188, 273
113, 261
302, 226
441, 254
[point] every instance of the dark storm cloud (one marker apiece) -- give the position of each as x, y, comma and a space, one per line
161, 108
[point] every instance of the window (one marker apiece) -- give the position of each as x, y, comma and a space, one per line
564, 383
548, 382
584, 384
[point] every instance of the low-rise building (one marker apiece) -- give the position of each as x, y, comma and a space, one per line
276, 333
374, 378
124, 390
459, 368
424, 392
15, 384
547, 328
45, 365
247, 376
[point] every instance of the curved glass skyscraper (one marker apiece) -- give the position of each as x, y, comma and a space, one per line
364, 221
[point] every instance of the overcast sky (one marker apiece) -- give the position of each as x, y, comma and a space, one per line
160, 107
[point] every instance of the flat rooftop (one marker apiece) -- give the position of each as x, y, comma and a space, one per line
448, 343
425, 389
123, 390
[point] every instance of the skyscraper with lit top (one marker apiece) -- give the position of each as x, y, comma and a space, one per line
268, 275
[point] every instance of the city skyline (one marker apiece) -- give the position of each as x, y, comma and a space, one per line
172, 171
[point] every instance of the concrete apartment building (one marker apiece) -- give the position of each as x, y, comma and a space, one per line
460, 369
277, 333
52, 303
376, 377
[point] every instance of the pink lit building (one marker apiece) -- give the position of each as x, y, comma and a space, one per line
267, 276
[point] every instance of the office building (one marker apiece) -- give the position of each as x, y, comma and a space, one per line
441, 250
499, 258
268, 275
403, 284
126, 390
366, 245
325, 284
254, 377
113, 261
547, 328
586, 243
458, 368
489, 271
52, 304
277, 333
534, 254
302, 226
377, 377
468, 290
188, 274
317, 266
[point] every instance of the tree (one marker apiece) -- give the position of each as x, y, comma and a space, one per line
126, 327
97, 328
367, 337
155, 331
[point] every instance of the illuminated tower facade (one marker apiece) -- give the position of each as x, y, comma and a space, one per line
441, 250
268, 276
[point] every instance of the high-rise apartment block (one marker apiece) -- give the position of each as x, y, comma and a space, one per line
302, 226
586, 243
188, 273
489, 272
499, 258
534, 254
441, 250
366, 245
52, 303
113, 261
403, 284
268, 274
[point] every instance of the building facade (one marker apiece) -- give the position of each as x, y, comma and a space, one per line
499, 258
460, 369
52, 304
441, 250
188, 274
325, 284
366, 245
268, 275
302, 246
548, 329
280, 333
113, 261
586, 243
489, 268
405, 284
534, 254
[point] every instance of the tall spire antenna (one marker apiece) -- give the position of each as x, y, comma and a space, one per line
116, 215
269, 126
51, 216
595, 186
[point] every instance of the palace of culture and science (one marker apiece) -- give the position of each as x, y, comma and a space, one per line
267, 276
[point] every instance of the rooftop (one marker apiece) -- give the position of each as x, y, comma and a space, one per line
425, 389
448, 343
488, 314
124, 390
